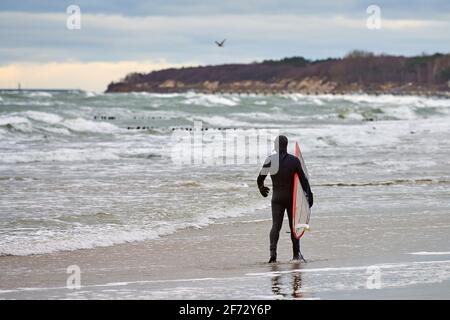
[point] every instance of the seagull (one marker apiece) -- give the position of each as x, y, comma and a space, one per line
220, 44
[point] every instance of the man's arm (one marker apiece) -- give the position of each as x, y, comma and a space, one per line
305, 183
262, 176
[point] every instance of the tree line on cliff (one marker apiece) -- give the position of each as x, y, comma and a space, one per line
363, 68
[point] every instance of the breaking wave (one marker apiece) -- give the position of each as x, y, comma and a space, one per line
385, 183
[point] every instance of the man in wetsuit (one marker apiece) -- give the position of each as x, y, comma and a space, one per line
282, 166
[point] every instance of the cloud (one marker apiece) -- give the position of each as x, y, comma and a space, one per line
92, 76
110, 43
405, 9
43, 37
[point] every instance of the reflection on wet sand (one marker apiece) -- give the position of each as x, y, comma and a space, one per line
290, 290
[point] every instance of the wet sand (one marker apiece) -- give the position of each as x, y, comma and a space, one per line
227, 260
221, 250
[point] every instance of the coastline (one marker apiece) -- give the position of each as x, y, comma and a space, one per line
224, 260
357, 72
245, 91
186, 254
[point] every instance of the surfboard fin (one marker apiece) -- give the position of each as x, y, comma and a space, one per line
304, 225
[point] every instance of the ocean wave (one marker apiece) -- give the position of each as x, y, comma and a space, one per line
101, 217
105, 235
268, 117
29, 103
402, 113
357, 113
45, 94
260, 103
384, 183
432, 253
59, 155
141, 155
79, 154
31, 121
17, 178
211, 100
221, 121
194, 184
83, 125
11, 120
56, 131
382, 133
372, 107
91, 94
216, 185
51, 242
50, 118
369, 113
388, 99
157, 95
15, 124
341, 136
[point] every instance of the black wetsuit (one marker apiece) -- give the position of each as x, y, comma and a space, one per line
282, 174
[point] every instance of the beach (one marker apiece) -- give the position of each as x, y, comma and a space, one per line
83, 188
227, 260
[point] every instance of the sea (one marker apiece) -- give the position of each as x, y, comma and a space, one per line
83, 169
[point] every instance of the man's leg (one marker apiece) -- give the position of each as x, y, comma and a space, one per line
277, 222
296, 254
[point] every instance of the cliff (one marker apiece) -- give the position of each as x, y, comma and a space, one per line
357, 72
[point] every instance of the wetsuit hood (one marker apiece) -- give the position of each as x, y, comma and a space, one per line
281, 143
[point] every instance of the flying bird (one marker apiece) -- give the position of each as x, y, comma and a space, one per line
220, 44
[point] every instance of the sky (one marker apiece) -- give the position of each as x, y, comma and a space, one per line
117, 37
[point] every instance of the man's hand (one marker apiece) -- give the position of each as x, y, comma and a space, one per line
264, 191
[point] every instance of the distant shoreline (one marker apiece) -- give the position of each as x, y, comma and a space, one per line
358, 72
40, 89
436, 94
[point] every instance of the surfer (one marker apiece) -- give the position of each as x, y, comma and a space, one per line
282, 166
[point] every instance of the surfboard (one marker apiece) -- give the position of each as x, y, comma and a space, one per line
300, 207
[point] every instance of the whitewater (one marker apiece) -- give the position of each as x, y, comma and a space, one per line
77, 170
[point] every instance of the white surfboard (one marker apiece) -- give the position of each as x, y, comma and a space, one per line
300, 206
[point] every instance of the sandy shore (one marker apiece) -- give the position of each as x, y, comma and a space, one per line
224, 260
220, 250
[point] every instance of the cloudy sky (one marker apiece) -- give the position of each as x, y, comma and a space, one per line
116, 37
